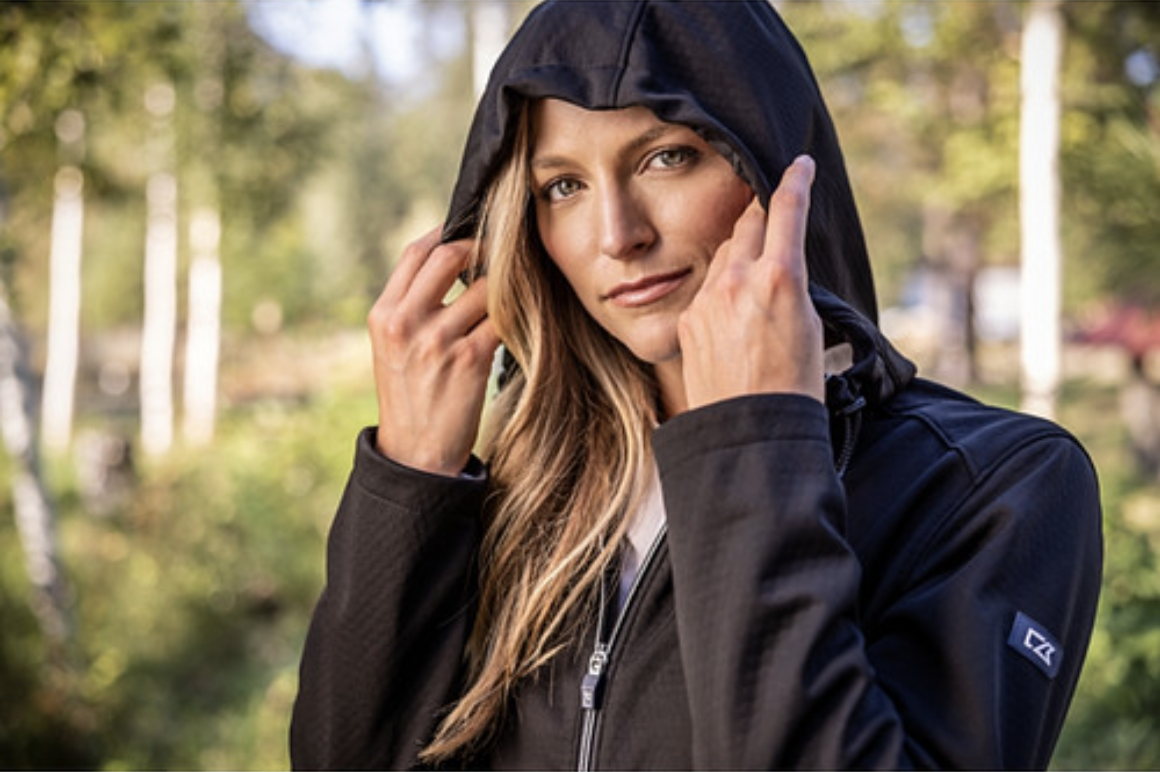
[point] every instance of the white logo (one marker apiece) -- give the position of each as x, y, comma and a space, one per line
1037, 644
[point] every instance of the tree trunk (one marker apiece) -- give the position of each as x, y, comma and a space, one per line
203, 331
1140, 408
203, 323
63, 350
159, 326
490, 27
1039, 206
158, 336
35, 521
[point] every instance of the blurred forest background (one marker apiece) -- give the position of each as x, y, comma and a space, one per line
199, 202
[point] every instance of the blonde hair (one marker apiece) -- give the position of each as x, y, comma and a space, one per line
567, 443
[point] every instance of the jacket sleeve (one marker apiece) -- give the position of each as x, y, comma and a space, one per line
783, 670
383, 654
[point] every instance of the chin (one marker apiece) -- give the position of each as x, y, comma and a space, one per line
656, 352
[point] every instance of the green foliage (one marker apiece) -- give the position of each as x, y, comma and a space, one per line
247, 134
40, 725
192, 600
1112, 148
925, 96
1113, 722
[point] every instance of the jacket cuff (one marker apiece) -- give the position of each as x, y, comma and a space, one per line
412, 488
744, 420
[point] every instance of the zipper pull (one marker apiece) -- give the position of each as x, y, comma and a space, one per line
592, 687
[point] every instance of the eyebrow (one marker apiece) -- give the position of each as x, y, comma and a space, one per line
636, 143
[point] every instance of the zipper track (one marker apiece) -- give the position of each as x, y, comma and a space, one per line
594, 680
593, 684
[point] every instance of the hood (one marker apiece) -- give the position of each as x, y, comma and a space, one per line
733, 72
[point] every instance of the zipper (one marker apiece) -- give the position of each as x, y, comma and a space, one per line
593, 685
591, 696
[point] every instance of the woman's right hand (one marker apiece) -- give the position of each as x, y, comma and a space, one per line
431, 360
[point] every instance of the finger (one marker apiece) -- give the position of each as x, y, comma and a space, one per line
485, 338
749, 232
468, 310
785, 234
438, 273
415, 255
744, 242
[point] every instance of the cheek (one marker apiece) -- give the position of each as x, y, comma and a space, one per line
559, 259
717, 210
565, 249
732, 203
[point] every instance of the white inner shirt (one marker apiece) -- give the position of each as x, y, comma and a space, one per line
646, 523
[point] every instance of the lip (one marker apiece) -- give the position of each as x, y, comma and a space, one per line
648, 290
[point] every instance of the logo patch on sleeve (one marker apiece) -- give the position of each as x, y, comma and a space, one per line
1037, 646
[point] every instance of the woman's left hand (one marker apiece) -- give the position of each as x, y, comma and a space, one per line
752, 328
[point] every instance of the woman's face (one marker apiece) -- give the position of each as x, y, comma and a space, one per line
631, 210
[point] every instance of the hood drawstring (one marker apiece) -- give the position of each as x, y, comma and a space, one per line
844, 401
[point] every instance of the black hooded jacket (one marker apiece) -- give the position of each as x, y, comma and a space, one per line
904, 578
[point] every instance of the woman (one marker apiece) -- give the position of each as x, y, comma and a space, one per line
715, 521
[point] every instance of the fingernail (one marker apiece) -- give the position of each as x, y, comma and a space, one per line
807, 164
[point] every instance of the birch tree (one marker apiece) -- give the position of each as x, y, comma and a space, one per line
203, 322
490, 28
158, 335
203, 325
35, 522
60, 370
1042, 51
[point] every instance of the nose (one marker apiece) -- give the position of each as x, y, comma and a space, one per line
626, 230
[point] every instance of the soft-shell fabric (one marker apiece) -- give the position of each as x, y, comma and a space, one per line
901, 578
788, 619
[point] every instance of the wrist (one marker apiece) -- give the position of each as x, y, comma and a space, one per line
430, 463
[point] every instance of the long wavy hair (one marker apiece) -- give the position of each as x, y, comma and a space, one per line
567, 440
